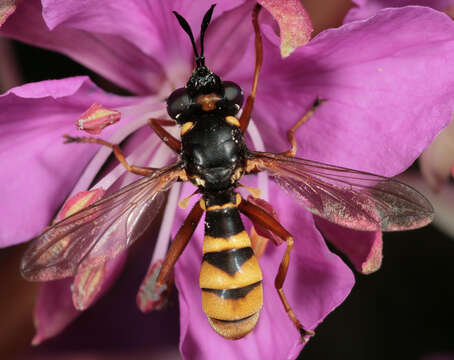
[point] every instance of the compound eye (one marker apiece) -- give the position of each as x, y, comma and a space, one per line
178, 103
233, 93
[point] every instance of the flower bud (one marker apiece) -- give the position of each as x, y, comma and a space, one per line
150, 296
97, 118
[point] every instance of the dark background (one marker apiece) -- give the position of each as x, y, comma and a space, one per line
404, 311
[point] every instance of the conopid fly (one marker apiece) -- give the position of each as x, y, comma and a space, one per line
214, 157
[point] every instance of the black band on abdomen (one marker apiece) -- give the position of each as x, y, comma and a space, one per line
229, 261
223, 223
234, 293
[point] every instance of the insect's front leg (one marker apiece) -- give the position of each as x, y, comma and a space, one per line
169, 140
139, 170
301, 121
246, 115
261, 217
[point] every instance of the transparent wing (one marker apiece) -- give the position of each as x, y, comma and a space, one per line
349, 198
98, 232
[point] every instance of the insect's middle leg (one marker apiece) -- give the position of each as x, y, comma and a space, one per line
261, 217
139, 170
246, 115
301, 121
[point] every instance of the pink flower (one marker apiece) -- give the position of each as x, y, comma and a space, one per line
437, 160
381, 113
368, 8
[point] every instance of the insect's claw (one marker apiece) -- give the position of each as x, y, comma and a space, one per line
306, 334
69, 139
319, 101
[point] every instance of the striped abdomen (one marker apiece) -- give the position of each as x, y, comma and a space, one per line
230, 278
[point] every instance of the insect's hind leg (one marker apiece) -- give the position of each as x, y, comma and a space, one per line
301, 121
263, 218
246, 115
179, 243
139, 170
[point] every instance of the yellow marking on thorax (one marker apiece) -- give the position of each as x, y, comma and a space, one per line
186, 127
211, 277
197, 181
226, 205
232, 120
215, 244
237, 174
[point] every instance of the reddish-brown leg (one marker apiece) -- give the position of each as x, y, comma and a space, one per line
170, 140
301, 121
179, 243
139, 170
246, 115
261, 217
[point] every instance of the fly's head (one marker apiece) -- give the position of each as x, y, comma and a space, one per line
205, 93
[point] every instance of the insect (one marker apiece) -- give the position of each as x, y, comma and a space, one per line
214, 157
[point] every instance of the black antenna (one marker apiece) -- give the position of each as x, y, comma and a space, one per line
205, 22
200, 60
184, 24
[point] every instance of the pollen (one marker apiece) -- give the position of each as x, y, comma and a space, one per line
97, 118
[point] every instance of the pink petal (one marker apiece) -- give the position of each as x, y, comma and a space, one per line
363, 248
143, 23
368, 8
317, 282
294, 23
121, 40
54, 309
437, 160
228, 39
376, 98
7, 7
113, 57
38, 170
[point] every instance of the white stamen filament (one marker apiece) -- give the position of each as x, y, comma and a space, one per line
162, 243
257, 141
164, 237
